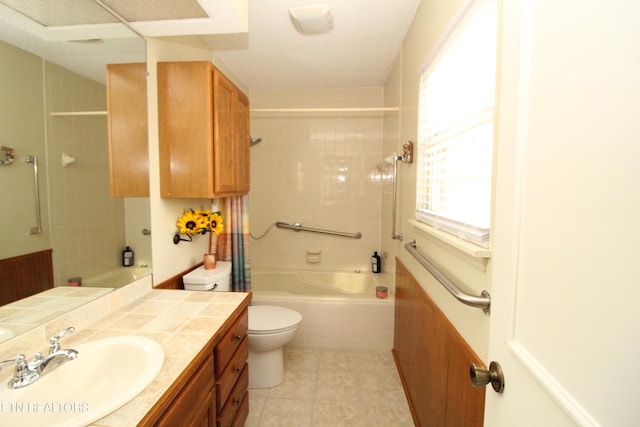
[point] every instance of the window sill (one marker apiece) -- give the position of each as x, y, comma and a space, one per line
467, 248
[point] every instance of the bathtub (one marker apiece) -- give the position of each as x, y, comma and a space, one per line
339, 309
117, 278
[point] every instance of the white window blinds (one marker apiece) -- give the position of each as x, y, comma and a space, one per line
455, 135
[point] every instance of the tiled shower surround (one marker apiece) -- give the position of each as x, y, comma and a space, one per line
318, 169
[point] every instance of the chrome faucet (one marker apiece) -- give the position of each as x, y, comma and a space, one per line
26, 373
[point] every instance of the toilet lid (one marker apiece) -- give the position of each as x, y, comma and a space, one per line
269, 319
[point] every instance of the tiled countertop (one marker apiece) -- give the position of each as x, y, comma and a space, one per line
28, 313
181, 321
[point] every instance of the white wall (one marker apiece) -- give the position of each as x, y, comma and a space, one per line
21, 127
475, 275
391, 145
170, 259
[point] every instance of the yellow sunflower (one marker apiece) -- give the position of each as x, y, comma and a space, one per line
205, 216
216, 224
191, 223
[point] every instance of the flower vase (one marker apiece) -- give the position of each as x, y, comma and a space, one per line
209, 261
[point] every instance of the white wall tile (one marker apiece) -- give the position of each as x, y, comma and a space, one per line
316, 171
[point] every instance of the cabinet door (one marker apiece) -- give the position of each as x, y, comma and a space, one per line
195, 404
224, 119
242, 143
185, 102
127, 124
204, 153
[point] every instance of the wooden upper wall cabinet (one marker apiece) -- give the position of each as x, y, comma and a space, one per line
204, 132
128, 131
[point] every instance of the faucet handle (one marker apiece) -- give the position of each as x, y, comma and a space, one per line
19, 360
20, 367
53, 341
23, 375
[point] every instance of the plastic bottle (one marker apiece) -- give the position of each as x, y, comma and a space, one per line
375, 262
127, 257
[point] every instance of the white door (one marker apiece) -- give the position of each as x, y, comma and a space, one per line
565, 322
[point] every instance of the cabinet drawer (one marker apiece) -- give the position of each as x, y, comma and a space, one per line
243, 412
231, 342
184, 407
235, 402
232, 372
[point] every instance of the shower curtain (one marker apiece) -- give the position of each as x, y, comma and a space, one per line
233, 242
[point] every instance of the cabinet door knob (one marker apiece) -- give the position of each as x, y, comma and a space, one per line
238, 368
238, 337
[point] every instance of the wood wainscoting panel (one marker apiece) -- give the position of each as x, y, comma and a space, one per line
433, 360
25, 275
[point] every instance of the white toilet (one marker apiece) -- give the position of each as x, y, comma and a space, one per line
270, 328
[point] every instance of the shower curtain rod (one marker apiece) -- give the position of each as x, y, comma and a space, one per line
298, 227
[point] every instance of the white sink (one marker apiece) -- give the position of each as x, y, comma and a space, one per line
6, 334
106, 374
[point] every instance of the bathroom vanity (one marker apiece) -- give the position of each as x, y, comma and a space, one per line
204, 377
213, 389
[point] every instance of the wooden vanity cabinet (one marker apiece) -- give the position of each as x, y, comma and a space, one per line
212, 391
195, 405
232, 374
127, 129
203, 130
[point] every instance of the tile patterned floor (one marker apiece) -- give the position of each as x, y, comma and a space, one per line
333, 388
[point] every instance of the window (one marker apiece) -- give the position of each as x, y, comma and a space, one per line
455, 135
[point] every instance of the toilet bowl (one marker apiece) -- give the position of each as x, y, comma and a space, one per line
270, 328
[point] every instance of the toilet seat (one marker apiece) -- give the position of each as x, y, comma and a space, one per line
267, 319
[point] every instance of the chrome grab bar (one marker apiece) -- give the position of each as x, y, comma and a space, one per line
483, 301
394, 203
298, 227
38, 228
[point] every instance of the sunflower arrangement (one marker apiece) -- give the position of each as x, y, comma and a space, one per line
200, 221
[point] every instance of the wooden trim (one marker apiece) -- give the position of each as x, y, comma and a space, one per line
433, 360
176, 282
25, 275
407, 392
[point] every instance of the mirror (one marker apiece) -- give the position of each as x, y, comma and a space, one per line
53, 109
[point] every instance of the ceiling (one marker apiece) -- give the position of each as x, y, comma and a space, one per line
254, 38
358, 52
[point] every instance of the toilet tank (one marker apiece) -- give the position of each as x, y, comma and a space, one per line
218, 279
